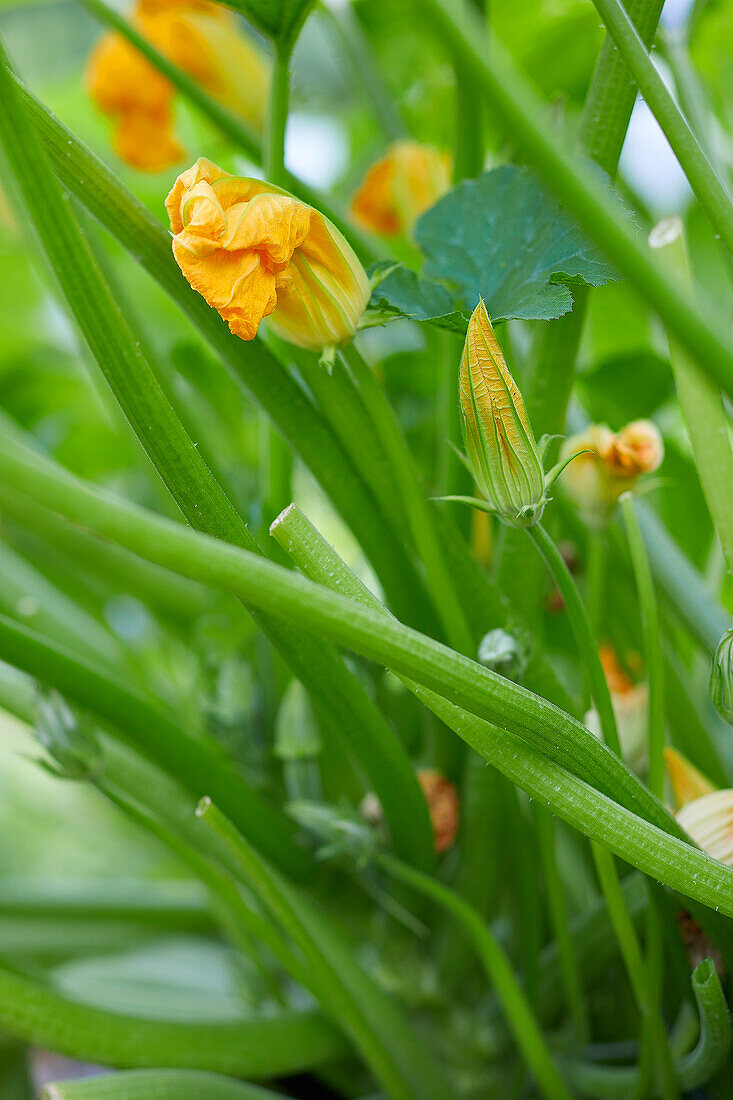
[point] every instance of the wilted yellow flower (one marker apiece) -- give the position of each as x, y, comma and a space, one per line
687, 782
400, 187
709, 821
253, 251
630, 704
442, 799
203, 40
610, 466
500, 445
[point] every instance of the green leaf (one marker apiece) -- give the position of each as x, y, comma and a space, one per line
279, 19
405, 293
502, 238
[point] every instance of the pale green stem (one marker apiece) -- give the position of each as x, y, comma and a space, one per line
652, 644
569, 965
701, 403
709, 191
605, 866
581, 628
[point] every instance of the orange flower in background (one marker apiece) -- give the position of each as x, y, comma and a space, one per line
611, 465
203, 40
140, 102
442, 799
253, 251
400, 187
630, 703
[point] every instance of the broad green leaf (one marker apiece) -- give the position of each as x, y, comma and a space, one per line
279, 19
405, 293
502, 238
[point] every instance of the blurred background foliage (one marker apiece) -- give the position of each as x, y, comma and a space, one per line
200, 646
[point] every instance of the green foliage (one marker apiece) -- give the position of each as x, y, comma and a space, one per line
501, 238
324, 810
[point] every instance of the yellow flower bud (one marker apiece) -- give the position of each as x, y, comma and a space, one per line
687, 782
398, 188
199, 37
498, 438
253, 251
610, 466
709, 821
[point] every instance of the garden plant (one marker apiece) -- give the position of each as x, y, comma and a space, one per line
366, 537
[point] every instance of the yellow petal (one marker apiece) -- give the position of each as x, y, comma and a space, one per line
687, 782
709, 821
254, 251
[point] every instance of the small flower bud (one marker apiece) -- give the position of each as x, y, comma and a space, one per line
498, 438
253, 251
611, 465
709, 821
401, 186
721, 677
442, 799
686, 781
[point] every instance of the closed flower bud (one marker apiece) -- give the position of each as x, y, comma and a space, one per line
442, 799
499, 442
611, 465
400, 187
721, 677
199, 37
253, 251
686, 781
709, 821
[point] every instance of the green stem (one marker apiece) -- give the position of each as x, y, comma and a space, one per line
709, 191
577, 186
169, 1084
607, 874
681, 583
274, 159
423, 532
706, 418
587, 647
693, 1069
623, 927
520, 1018
375, 1025
274, 1046
569, 963
276, 460
468, 145
652, 644
373, 634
